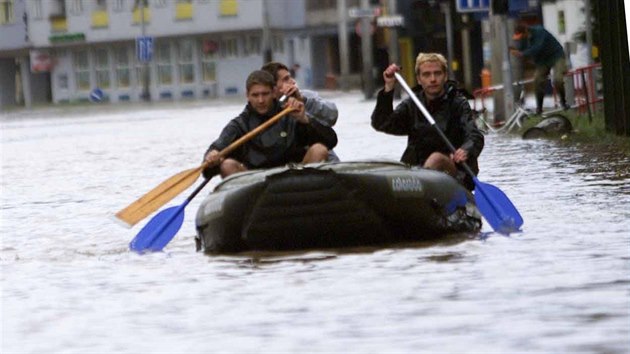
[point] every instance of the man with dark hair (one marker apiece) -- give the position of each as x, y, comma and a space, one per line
295, 138
325, 112
449, 108
546, 53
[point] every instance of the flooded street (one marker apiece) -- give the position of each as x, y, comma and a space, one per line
70, 285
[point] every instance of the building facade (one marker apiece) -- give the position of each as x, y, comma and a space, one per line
129, 50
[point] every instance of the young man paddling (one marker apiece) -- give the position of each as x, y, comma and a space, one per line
449, 108
295, 138
315, 107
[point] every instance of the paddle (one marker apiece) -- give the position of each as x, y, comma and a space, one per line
169, 189
161, 229
493, 204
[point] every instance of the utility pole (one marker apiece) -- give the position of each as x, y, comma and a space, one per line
393, 35
446, 9
467, 61
498, 16
267, 53
589, 29
146, 94
366, 51
342, 30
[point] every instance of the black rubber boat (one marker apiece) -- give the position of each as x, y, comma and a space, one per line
332, 205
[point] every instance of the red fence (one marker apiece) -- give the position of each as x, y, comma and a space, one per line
584, 89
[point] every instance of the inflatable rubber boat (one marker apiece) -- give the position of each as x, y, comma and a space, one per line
332, 205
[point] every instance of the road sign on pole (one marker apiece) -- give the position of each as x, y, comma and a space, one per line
144, 48
473, 5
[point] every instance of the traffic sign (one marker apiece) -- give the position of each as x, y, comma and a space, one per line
144, 48
473, 5
356, 12
390, 21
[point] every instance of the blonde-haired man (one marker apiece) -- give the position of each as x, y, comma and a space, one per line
449, 108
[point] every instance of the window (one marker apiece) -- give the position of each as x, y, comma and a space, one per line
101, 57
36, 10
6, 11
208, 60
118, 6
561, 22
252, 45
277, 44
101, 5
165, 72
58, 8
76, 7
185, 61
82, 70
62, 81
121, 57
229, 47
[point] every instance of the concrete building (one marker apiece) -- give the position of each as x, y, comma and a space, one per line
18, 85
80, 50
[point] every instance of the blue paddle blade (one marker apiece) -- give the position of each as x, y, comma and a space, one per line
497, 208
158, 232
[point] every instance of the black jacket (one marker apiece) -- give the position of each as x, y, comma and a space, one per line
285, 141
452, 115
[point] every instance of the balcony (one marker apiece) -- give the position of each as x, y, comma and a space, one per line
137, 15
183, 11
58, 23
100, 19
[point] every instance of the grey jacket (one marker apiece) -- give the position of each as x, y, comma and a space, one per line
323, 111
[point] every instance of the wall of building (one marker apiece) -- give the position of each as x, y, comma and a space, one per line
14, 35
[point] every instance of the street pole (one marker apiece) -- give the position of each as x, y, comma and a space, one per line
393, 35
589, 29
366, 51
504, 106
146, 94
267, 53
446, 9
467, 61
342, 29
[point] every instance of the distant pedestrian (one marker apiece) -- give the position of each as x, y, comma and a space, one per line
546, 53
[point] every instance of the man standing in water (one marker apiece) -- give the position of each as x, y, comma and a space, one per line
547, 53
449, 108
295, 138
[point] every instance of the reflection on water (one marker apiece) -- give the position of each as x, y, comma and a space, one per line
69, 283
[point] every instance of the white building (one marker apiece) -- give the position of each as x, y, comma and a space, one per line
86, 49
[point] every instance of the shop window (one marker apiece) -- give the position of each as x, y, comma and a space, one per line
229, 47
165, 72
123, 77
209, 49
252, 45
185, 61
82, 69
277, 43
101, 58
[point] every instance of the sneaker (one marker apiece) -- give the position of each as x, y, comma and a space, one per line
565, 107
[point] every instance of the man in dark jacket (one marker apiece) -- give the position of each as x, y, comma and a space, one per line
295, 138
451, 112
546, 53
